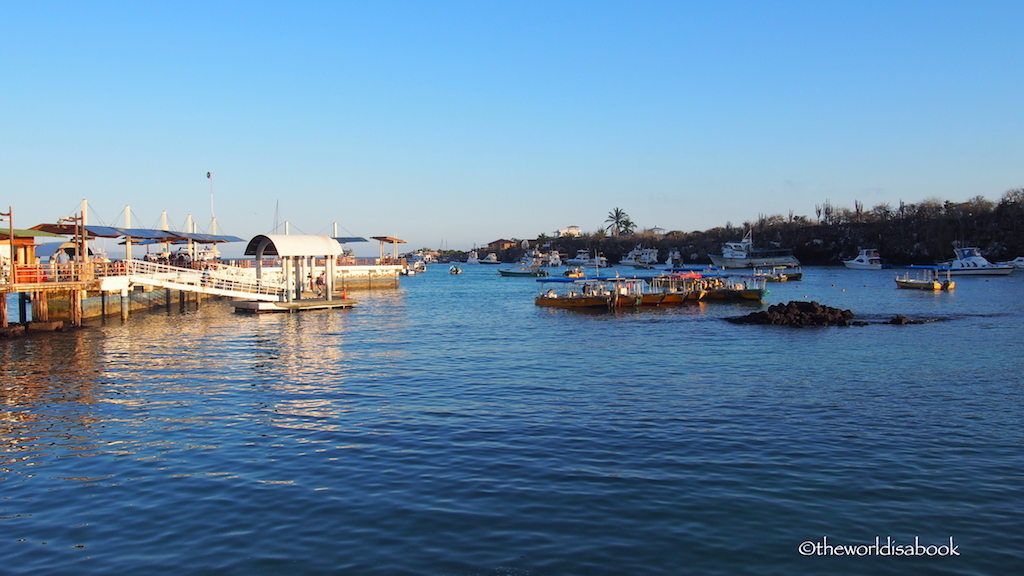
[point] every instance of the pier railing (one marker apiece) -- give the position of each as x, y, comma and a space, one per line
214, 279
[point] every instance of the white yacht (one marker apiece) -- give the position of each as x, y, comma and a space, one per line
584, 259
868, 259
743, 254
970, 262
640, 257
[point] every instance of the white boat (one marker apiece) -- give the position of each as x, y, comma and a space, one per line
868, 259
1017, 262
473, 258
491, 258
743, 254
454, 269
552, 259
674, 259
640, 257
970, 262
584, 259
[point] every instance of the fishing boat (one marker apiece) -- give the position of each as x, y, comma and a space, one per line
743, 254
968, 261
868, 259
680, 287
640, 257
780, 274
473, 257
551, 259
491, 258
733, 288
573, 293
632, 292
454, 269
926, 278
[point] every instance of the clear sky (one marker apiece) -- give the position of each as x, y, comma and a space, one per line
451, 124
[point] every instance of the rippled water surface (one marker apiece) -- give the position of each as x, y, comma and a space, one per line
451, 427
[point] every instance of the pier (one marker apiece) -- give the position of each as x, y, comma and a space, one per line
280, 280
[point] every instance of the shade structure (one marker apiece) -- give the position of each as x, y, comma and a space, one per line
289, 245
135, 233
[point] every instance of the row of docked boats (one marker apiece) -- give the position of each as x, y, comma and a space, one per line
667, 289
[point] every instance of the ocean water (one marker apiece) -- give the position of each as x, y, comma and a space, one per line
451, 427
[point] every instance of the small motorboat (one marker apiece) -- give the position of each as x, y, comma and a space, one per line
454, 269
1017, 262
521, 271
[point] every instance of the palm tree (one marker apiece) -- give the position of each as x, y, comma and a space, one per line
619, 221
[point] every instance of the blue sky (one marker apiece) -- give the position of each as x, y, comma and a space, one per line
463, 122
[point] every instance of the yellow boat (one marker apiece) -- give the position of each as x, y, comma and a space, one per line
926, 279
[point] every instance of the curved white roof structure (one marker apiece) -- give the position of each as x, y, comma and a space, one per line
292, 245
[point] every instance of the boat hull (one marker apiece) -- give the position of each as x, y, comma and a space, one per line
523, 273
753, 261
572, 301
929, 285
994, 270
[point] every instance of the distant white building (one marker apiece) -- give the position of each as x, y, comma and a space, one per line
573, 231
656, 231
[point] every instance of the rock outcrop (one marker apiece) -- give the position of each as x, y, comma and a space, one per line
799, 314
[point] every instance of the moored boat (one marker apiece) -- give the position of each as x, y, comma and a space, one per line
573, 272
927, 278
1017, 262
743, 254
968, 261
454, 269
584, 259
781, 274
573, 293
491, 258
639, 257
523, 271
868, 259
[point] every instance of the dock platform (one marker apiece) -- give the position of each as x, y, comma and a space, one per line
261, 307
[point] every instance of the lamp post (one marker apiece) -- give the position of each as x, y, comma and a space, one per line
79, 236
10, 239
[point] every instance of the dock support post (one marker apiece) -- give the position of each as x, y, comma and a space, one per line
40, 307
125, 304
181, 301
76, 307
167, 300
3, 312
103, 305
23, 307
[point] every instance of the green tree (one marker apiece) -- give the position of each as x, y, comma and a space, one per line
618, 222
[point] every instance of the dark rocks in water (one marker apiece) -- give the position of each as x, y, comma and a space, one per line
901, 320
799, 314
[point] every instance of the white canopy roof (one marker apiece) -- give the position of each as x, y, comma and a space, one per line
289, 245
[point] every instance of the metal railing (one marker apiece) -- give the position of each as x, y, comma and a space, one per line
217, 278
